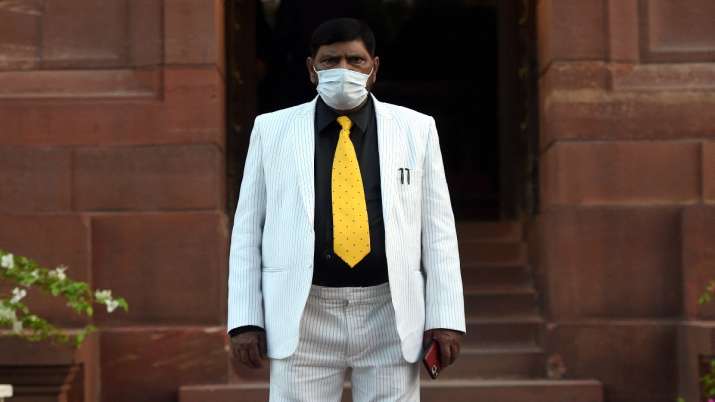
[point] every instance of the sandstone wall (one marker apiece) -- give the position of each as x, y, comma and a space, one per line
112, 161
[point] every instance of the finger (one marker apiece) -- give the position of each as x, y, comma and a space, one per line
254, 356
244, 356
263, 348
445, 353
234, 352
426, 338
453, 353
457, 350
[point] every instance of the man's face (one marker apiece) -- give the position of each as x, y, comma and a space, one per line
351, 55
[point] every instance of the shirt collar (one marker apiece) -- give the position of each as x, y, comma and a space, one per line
324, 115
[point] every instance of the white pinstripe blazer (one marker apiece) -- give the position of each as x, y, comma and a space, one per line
272, 241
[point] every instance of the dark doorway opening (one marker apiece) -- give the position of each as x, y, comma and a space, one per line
468, 63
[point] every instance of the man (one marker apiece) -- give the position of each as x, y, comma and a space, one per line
344, 249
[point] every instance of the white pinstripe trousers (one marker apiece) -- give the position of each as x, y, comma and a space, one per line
341, 328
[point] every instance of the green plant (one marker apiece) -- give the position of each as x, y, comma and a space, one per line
707, 295
708, 380
26, 274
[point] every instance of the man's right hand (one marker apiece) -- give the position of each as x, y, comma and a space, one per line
249, 348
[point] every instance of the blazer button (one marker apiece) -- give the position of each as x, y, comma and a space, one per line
327, 256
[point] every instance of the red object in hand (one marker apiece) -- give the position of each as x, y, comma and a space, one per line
432, 360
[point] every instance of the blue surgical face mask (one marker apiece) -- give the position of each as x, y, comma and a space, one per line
342, 88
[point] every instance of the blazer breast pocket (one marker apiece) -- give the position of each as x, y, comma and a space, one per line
409, 187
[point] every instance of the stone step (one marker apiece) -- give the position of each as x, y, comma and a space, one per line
440, 390
491, 252
510, 391
495, 362
496, 274
504, 361
495, 231
504, 331
499, 301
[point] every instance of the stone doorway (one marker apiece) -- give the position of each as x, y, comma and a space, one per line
468, 63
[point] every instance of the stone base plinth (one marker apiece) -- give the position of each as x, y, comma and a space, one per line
47, 372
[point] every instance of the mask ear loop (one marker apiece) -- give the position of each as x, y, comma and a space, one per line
317, 76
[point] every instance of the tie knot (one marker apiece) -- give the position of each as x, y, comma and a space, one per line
345, 122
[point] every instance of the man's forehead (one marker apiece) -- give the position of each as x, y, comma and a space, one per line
338, 48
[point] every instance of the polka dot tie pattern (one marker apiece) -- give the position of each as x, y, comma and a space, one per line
351, 231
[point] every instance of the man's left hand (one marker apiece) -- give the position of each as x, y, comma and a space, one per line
449, 342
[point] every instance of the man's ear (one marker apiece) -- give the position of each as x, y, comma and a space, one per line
376, 67
311, 72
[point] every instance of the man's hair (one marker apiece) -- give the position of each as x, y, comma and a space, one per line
342, 30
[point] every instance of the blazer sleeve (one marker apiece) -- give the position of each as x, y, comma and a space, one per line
245, 298
444, 297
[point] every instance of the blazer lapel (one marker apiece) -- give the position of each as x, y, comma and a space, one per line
387, 138
303, 131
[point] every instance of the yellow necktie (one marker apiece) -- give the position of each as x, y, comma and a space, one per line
351, 232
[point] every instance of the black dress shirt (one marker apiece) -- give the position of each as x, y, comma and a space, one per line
328, 268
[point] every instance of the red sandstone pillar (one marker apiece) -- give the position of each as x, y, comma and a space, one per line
627, 123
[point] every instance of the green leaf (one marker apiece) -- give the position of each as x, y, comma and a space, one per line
77, 295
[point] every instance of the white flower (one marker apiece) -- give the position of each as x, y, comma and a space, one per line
17, 295
112, 305
7, 261
59, 272
103, 294
8, 314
